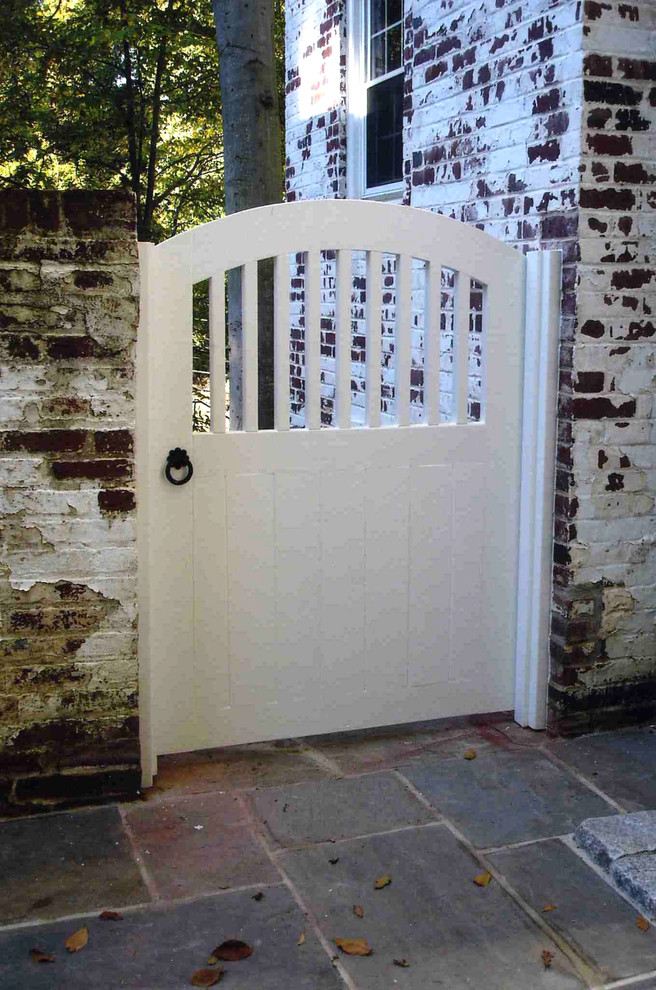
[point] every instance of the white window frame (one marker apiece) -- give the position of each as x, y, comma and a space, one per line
356, 120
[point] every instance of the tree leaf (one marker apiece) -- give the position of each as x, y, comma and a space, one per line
358, 911
548, 907
383, 881
483, 879
547, 956
642, 923
110, 916
334, 861
258, 896
354, 946
401, 962
301, 938
206, 977
232, 950
212, 961
469, 755
38, 956
77, 940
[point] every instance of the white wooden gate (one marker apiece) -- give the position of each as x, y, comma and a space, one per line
318, 579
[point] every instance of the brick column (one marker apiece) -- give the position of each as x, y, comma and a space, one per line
68, 677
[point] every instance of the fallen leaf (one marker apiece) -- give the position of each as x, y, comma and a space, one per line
206, 977
546, 958
232, 950
41, 957
401, 962
383, 881
548, 907
258, 896
77, 940
353, 946
301, 939
358, 911
469, 755
333, 861
483, 879
212, 961
642, 923
110, 916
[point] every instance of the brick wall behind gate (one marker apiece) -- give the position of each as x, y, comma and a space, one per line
536, 121
68, 669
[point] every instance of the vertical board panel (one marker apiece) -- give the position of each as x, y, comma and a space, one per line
431, 567
313, 340
387, 512
211, 627
251, 567
343, 583
469, 649
343, 339
461, 346
298, 584
374, 305
281, 341
217, 353
402, 339
249, 345
432, 341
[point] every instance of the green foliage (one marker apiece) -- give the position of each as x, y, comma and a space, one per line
103, 93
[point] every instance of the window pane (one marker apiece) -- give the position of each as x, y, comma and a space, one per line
385, 132
394, 48
394, 11
377, 13
377, 56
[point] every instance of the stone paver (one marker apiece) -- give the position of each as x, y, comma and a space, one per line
158, 948
637, 876
507, 796
623, 764
587, 910
608, 839
63, 863
335, 809
198, 844
454, 934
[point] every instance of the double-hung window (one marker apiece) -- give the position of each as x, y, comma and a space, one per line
375, 99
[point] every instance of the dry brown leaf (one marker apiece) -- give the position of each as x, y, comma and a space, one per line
77, 940
469, 755
483, 879
548, 907
110, 916
232, 950
39, 956
353, 946
358, 911
206, 977
642, 923
547, 956
383, 881
301, 939
401, 962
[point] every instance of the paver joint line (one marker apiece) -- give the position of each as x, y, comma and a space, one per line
139, 860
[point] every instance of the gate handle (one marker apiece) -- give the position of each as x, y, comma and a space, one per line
178, 459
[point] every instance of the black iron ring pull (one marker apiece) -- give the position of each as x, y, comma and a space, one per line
177, 460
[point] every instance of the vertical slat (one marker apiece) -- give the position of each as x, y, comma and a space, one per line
461, 340
249, 345
217, 353
281, 341
313, 340
374, 265
432, 338
343, 339
402, 339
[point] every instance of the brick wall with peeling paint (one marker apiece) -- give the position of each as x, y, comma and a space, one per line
68, 675
536, 121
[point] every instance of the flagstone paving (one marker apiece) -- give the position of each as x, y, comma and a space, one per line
274, 844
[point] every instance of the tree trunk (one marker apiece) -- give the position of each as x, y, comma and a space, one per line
252, 167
